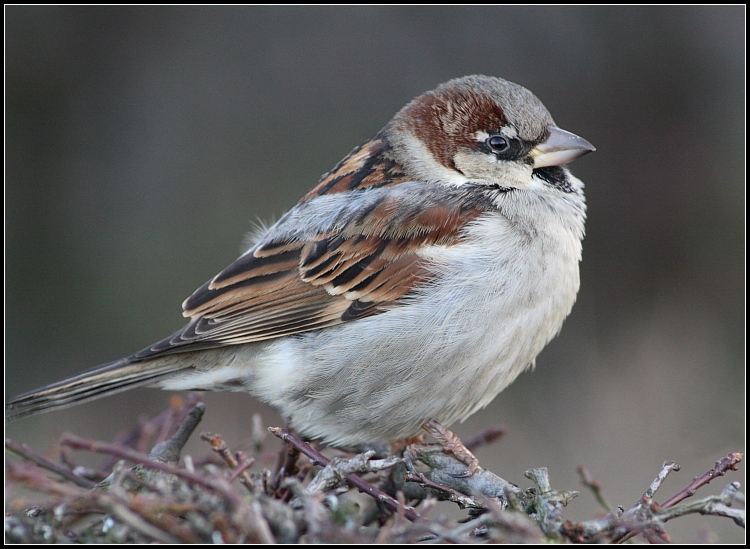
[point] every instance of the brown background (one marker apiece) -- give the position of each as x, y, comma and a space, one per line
142, 143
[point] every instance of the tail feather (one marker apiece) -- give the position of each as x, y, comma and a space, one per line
102, 380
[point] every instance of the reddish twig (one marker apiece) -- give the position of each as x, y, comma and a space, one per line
488, 436
239, 468
353, 479
35, 479
244, 464
595, 486
27, 453
727, 463
286, 466
136, 457
163, 423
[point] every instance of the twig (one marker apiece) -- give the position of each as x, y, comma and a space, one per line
488, 436
645, 509
647, 518
34, 479
711, 505
117, 501
163, 423
244, 464
338, 469
460, 533
169, 450
517, 523
136, 457
463, 501
27, 453
595, 486
360, 484
286, 466
727, 463
239, 468
177, 412
666, 468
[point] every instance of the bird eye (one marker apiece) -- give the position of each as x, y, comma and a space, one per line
497, 144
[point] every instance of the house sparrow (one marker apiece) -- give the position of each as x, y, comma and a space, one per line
414, 282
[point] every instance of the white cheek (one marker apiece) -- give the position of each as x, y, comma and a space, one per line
484, 169
424, 164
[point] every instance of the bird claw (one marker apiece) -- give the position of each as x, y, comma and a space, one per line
452, 445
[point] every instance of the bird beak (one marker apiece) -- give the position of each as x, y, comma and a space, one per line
559, 148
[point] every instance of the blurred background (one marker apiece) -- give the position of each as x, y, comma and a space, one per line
142, 143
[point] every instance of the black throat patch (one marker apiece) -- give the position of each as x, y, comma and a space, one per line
554, 176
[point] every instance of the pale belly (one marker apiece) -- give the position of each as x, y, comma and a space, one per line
443, 355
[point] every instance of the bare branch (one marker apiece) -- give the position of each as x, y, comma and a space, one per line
25, 452
361, 485
727, 463
159, 501
666, 468
595, 486
489, 436
239, 467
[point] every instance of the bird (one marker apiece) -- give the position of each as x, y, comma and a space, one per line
413, 283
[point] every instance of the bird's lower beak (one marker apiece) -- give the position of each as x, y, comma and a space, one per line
559, 148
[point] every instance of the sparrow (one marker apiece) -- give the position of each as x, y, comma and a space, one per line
414, 282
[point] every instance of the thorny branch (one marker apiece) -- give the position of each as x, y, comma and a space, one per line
164, 500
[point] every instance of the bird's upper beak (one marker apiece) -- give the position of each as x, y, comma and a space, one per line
559, 148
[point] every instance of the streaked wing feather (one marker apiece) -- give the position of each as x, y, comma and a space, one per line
368, 166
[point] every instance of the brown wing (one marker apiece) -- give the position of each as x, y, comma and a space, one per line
336, 257
369, 165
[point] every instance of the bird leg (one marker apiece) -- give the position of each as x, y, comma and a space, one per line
452, 445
